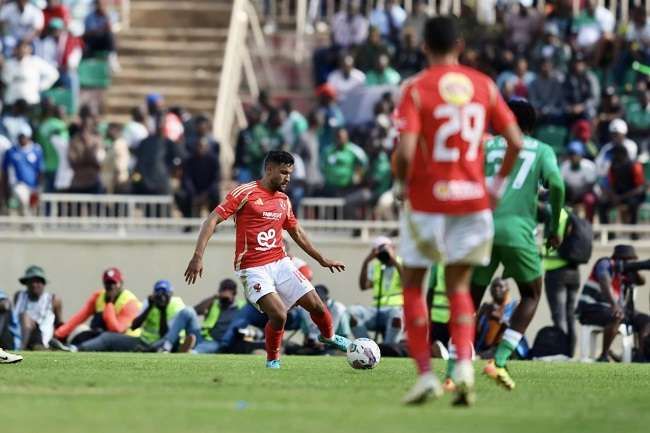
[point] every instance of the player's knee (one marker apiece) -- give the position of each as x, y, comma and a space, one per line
277, 316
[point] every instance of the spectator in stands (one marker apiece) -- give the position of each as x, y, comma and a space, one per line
349, 26
16, 120
111, 309
591, 26
308, 149
63, 51
298, 187
546, 95
610, 108
98, 37
55, 9
380, 271
369, 52
115, 166
331, 114
9, 326
340, 323
86, 155
581, 131
346, 78
389, 16
600, 302
493, 318
134, 132
158, 312
20, 20
516, 82
293, 126
218, 311
23, 172
618, 133
625, 189
377, 180
203, 131
636, 42
157, 157
26, 76
170, 122
637, 116
581, 91
251, 148
54, 138
414, 24
38, 311
343, 165
523, 25
580, 178
382, 74
410, 59
200, 181
552, 47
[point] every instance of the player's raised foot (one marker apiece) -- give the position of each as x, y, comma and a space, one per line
464, 383
9, 358
337, 341
499, 374
427, 386
449, 386
273, 363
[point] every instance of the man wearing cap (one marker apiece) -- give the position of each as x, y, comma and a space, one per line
618, 133
38, 311
153, 322
22, 169
381, 271
111, 309
580, 177
601, 301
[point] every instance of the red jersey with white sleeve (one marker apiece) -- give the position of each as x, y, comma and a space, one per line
450, 108
260, 216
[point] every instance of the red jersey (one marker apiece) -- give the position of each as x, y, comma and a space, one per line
450, 108
260, 217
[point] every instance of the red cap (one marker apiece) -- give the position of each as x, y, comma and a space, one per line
326, 90
112, 275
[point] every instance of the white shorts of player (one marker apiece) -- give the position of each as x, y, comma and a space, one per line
428, 238
281, 277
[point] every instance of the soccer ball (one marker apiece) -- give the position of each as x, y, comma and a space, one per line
363, 354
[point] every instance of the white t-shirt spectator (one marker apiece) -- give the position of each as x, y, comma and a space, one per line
347, 31
379, 19
604, 158
27, 78
344, 84
640, 35
20, 25
583, 176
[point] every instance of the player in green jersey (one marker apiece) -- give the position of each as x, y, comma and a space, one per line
515, 228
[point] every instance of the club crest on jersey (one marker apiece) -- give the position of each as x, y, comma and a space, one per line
257, 287
455, 88
457, 190
259, 202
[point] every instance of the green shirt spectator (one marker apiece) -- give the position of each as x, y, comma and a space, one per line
52, 129
638, 115
251, 148
383, 74
342, 161
380, 174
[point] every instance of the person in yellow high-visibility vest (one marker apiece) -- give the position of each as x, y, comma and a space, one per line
381, 271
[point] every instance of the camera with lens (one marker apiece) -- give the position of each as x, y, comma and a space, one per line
629, 271
383, 255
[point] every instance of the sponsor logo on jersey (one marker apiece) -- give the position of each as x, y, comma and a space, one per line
259, 202
275, 216
266, 240
454, 190
456, 88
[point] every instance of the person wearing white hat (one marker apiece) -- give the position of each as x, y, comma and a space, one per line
618, 136
380, 271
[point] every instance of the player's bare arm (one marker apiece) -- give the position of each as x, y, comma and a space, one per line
195, 267
300, 237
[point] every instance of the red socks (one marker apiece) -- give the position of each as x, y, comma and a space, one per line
273, 341
461, 324
417, 328
324, 323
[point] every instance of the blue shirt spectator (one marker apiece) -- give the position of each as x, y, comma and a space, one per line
23, 163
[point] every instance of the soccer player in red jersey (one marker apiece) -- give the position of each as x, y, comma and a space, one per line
271, 281
443, 114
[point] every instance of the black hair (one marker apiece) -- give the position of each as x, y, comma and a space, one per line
525, 114
278, 157
441, 34
228, 284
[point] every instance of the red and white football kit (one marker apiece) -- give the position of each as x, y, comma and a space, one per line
447, 217
260, 258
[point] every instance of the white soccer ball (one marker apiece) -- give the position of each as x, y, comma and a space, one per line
363, 354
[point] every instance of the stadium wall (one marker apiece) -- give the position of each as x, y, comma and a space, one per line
74, 266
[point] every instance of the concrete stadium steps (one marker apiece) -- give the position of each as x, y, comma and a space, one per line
174, 48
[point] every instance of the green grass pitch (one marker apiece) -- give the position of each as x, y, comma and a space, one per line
115, 393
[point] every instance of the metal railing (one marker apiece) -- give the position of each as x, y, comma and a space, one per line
104, 206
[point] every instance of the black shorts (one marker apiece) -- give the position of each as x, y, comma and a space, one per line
640, 321
440, 332
595, 314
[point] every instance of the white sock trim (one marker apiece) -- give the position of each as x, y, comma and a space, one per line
512, 337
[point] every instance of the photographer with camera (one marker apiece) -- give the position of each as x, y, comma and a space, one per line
606, 296
381, 271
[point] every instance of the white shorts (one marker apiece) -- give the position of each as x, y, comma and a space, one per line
281, 277
428, 238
